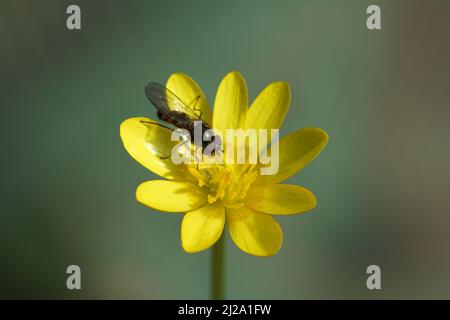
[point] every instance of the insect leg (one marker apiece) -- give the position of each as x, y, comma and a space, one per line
195, 156
157, 124
194, 102
167, 157
220, 151
200, 115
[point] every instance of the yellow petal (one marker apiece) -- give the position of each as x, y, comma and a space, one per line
253, 232
230, 106
147, 143
296, 150
188, 91
280, 199
201, 228
170, 196
270, 107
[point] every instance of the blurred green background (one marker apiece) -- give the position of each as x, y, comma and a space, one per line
67, 184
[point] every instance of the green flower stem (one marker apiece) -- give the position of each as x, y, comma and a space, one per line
218, 260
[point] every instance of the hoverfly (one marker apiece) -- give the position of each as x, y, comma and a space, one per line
170, 109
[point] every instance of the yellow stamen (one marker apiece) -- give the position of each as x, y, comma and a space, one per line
227, 183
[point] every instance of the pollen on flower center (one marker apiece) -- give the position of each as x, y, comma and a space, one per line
228, 183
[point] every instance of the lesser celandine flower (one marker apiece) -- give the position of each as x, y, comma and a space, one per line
210, 195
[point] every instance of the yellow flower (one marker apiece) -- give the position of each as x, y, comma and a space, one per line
209, 195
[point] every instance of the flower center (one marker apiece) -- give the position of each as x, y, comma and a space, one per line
228, 183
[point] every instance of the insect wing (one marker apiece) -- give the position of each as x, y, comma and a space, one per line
165, 100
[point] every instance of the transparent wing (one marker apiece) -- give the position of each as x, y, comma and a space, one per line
165, 100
